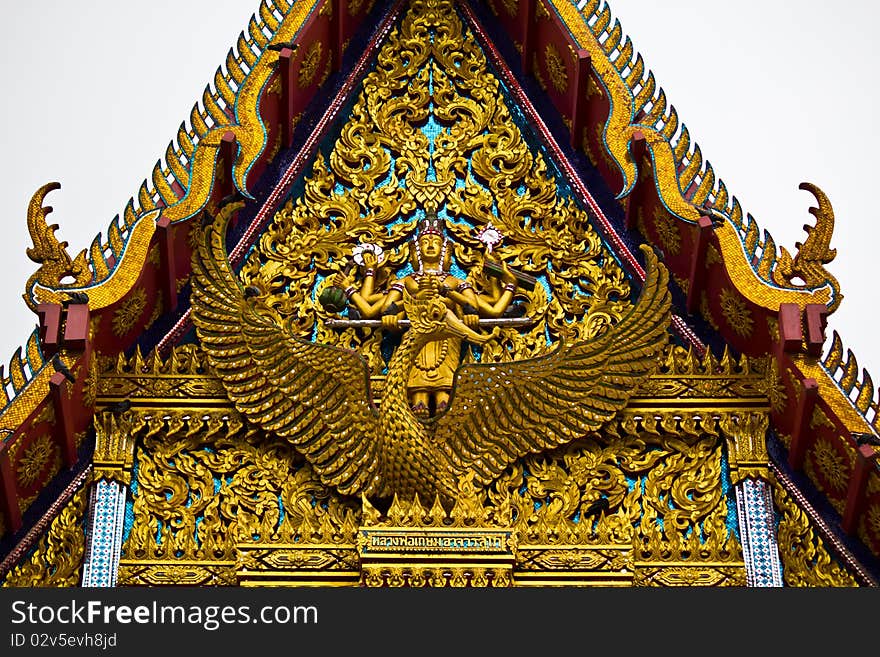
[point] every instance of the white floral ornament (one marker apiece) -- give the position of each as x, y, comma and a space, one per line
358, 252
490, 236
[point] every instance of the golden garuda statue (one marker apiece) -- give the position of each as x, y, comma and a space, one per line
319, 398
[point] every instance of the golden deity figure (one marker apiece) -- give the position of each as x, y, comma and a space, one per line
320, 397
431, 377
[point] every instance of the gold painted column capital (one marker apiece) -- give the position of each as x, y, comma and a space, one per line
746, 436
114, 446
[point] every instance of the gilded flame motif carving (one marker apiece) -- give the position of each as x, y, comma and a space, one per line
57, 558
806, 560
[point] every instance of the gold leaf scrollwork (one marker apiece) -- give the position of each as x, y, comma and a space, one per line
206, 483
58, 556
806, 560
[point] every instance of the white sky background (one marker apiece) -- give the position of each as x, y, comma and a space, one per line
775, 92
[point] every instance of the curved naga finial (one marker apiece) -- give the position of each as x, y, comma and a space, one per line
814, 253
48, 252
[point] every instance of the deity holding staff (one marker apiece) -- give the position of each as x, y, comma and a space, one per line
431, 377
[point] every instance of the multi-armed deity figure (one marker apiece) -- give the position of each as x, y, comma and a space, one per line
431, 378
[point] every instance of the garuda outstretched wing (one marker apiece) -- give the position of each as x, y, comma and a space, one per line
501, 412
314, 395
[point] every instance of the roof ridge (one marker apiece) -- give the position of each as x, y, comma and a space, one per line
169, 183
166, 184
649, 97
697, 182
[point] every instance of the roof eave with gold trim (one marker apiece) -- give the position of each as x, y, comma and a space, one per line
738, 283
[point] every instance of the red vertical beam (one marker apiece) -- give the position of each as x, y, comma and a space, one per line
76, 326
64, 428
807, 402
858, 486
639, 148
8, 492
168, 264
285, 73
817, 320
791, 333
580, 102
49, 315
697, 280
226, 162
527, 7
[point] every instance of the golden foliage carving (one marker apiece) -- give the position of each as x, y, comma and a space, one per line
215, 490
806, 560
206, 483
58, 556
663, 495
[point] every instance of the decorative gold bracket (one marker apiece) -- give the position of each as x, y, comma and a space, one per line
746, 436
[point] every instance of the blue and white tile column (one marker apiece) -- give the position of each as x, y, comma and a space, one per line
746, 435
113, 459
104, 538
754, 506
